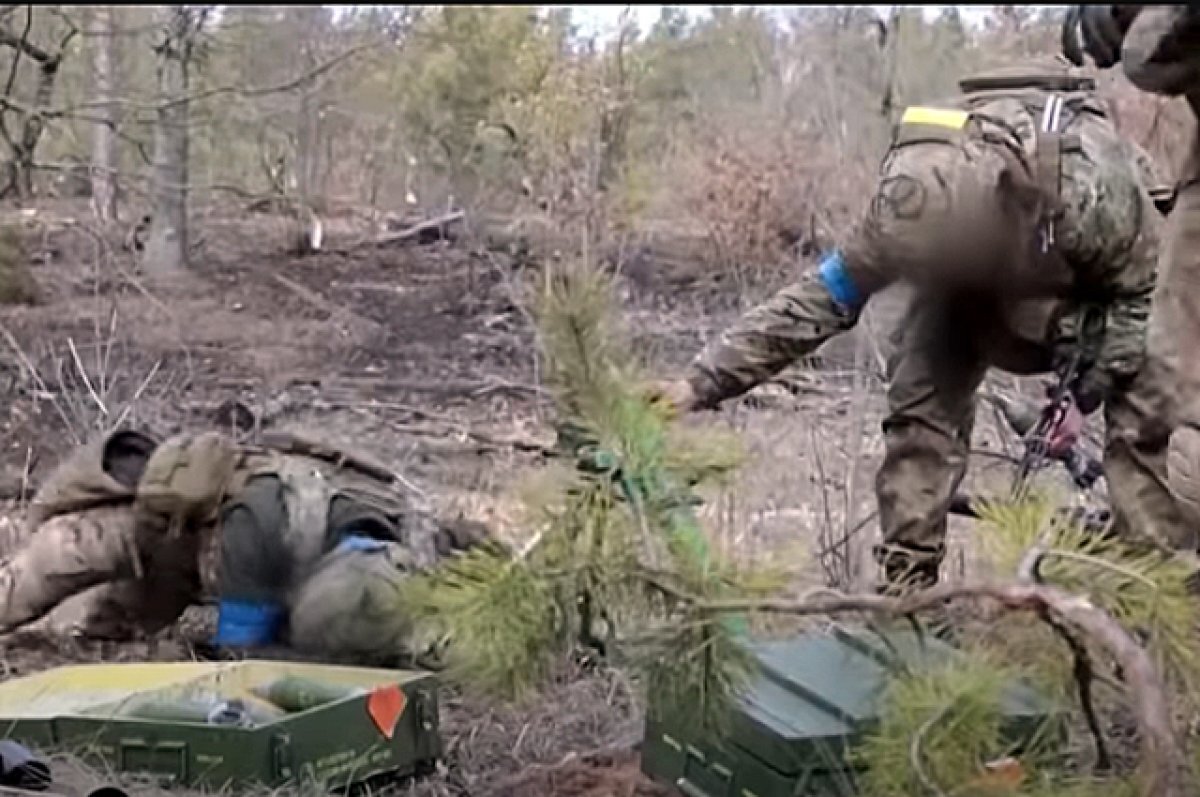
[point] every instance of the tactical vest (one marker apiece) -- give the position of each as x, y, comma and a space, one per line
1029, 113
103, 472
311, 484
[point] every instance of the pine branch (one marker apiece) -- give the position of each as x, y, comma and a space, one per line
1163, 764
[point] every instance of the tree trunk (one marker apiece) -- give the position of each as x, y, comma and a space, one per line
104, 139
23, 145
308, 122
167, 244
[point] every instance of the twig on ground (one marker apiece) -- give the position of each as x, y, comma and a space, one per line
87, 382
413, 233
915, 754
40, 383
1083, 670
137, 394
334, 310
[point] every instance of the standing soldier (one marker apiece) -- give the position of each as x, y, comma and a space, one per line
1020, 216
1160, 49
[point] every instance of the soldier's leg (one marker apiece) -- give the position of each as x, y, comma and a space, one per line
1175, 335
131, 608
1138, 421
931, 405
67, 555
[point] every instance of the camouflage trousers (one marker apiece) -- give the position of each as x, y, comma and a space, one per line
81, 572
90, 572
1175, 336
945, 348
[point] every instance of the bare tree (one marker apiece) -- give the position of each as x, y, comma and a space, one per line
167, 244
310, 22
104, 138
21, 125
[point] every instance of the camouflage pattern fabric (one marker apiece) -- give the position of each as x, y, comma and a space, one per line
1175, 337
1159, 48
792, 324
349, 607
66, 555
946, 347
942, 217
116, 572
961, 218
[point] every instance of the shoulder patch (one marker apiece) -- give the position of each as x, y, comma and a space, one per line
939, 117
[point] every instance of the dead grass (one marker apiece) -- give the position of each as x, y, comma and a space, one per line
17, 285
444, 389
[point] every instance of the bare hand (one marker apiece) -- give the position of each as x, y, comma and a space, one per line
676, 394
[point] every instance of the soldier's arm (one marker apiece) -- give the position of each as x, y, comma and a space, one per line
1157, 44
1161, 51
824, 302
1121, 348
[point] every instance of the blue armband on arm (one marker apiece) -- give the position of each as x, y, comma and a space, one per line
243, 623
838, 282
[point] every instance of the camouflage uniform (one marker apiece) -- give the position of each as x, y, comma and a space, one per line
1010, 234
131, 532
1160, 49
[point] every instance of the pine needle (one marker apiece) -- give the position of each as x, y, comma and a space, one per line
1140, 587
619, 554
938, 726
499, 616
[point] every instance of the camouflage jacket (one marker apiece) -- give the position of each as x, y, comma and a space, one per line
1161, 54
1109, 233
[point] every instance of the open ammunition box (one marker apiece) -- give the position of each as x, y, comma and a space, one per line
218, 725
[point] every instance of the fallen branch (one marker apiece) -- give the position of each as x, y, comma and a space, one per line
382, 385
1163, 765
481, 440
293, 442
332, 309
415, 232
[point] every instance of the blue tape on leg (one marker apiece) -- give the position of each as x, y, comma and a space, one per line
357, 542
243, 623
838, 282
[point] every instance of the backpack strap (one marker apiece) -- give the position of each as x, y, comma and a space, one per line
1050, 145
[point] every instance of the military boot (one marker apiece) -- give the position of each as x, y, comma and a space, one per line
905, 574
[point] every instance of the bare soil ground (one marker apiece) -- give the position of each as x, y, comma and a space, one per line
422, 357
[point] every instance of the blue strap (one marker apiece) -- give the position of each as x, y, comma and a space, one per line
243, 623
838, 282
356, 542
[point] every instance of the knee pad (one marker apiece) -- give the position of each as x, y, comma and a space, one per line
1183, 471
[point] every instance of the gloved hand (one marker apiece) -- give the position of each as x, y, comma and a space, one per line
678, 395
1065, 426
1097, 30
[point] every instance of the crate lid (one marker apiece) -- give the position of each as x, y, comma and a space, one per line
816, 692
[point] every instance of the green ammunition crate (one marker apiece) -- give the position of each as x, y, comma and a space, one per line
384, 726
793, 730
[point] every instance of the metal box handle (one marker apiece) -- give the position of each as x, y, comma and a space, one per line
281, 756
162, 758
693, 759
